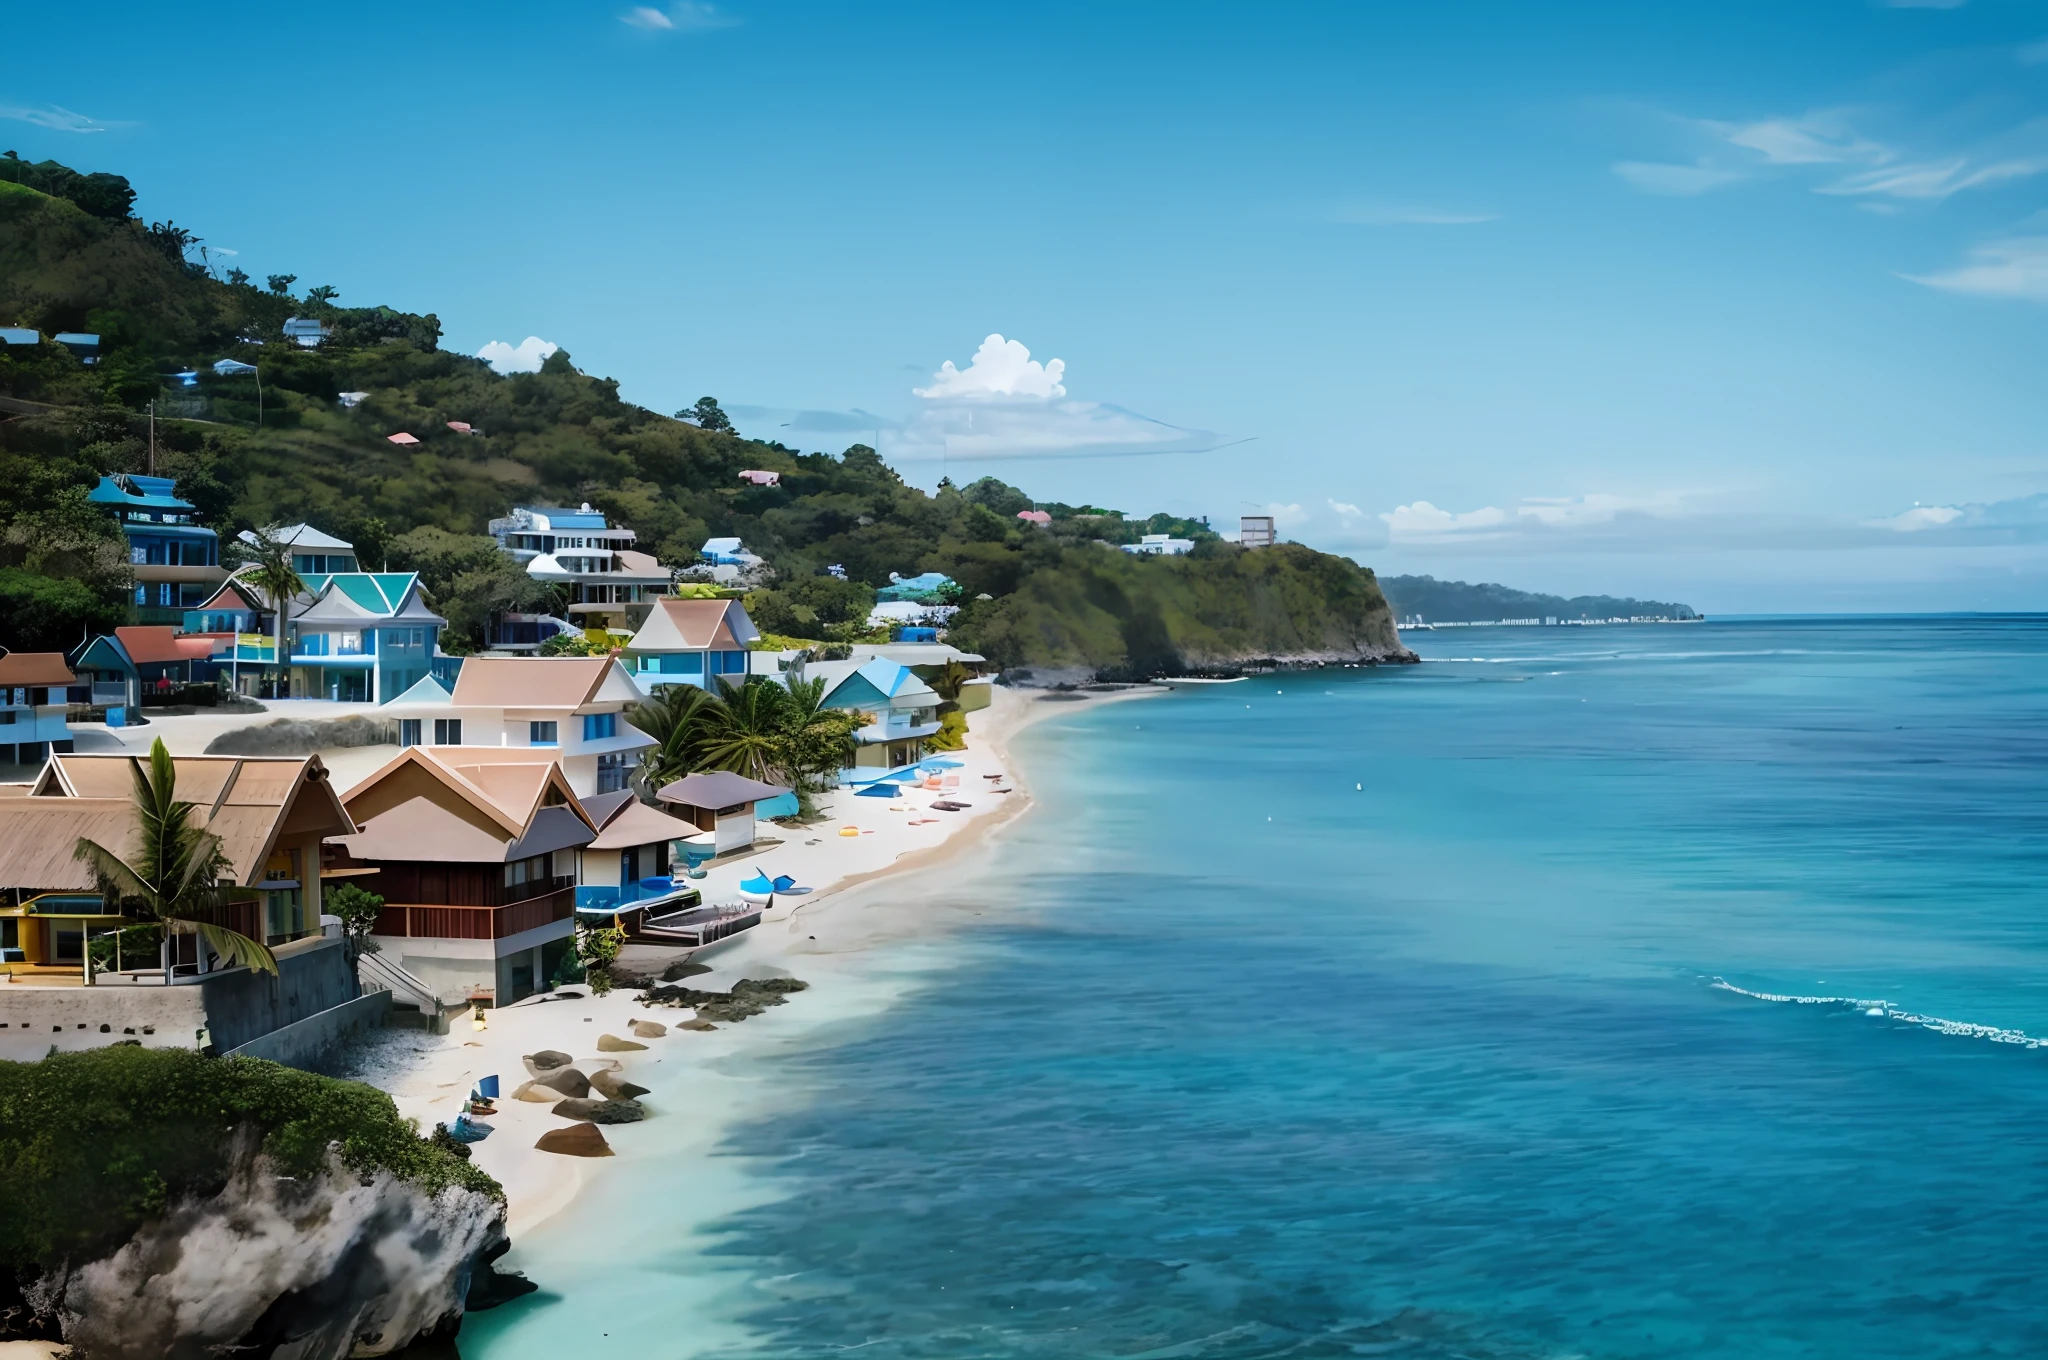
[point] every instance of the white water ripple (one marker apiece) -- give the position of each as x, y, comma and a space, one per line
1962, 1029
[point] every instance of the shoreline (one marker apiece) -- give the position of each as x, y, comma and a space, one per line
823, 938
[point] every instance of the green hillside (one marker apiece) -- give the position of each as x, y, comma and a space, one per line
1458, 602
289, 450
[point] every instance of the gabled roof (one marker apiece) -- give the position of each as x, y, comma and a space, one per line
239, 593
635, 823
717, 789
301, 536
150, 644
564, 682
350, 595
879, 681
425, 692
138, 492
675, 625
502, 800
34, 668
247, 801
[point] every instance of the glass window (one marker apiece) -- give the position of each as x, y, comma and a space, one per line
408, 731
611, 772
540, 734
599, 726
447, 731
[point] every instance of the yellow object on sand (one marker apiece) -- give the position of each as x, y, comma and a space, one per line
849, 831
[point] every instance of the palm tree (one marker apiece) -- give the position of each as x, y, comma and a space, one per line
817, 740
676, 718
271, 571
746, 733
177, 870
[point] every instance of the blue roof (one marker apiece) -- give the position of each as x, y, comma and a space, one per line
149, 493
168, 530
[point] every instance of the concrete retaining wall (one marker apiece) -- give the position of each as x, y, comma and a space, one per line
312, 976
307, 1043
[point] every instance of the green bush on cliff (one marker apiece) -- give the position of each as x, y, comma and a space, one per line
94, 1144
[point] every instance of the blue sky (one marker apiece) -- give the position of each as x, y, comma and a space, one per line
1743, 305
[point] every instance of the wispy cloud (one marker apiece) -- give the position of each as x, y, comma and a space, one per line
1676, 181
1822, 137
1936, 180
1380, 215
1917, 520
52, 117
685, 16
2015, 267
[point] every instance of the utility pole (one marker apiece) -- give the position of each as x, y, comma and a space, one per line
152, 438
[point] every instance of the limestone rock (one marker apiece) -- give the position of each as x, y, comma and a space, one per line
578, 1140
568, 1081
648, 1029
537, 1093
612, 1043
699, 1025
612, 1086
602, 1111
546, 1061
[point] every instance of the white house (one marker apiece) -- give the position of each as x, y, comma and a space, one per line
593, 560
571, 708
1160, 545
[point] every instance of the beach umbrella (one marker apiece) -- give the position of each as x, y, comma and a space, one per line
878, 791
488, 1087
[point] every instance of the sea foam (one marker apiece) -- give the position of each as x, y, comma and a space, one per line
1961, 1029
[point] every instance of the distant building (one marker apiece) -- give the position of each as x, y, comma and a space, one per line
1039, 517
176, 559
933, 587
758, 477
82, 344
402, 439
306, 333
35, 690
313, 553
20, 335
593, 561
1160, 545
351, 400
232, 368
1256, 531
691, 642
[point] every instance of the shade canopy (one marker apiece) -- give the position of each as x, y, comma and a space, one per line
718, 789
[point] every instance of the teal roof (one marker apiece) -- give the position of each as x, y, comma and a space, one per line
168, 530
147, 493
379, 592
104, 653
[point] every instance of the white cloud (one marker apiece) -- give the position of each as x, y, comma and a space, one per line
1285, 516
1936, 179
1371, 216
2016, 267
1919, 518
525, 357
1000, 368
1571, 512
685, 16
1675, 181
1345, 511
1823, 137
1423, 521
52, 117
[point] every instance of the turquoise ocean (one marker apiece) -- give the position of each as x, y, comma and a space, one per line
1604, 992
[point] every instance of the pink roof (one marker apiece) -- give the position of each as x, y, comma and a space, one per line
401, 438
459, 426
1035, 516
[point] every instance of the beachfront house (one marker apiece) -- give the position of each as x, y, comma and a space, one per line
691, 642
634, 849
364, 637
35, 693
122, 666
477, 864
271, 815
570, 709
175, 558
721, 803
926, 659
593, 562
903, 709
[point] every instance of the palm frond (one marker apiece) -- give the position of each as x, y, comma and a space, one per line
114, 871
238, 948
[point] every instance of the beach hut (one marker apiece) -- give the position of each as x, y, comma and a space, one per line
720, 802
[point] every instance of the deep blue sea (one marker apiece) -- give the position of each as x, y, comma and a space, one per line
1608, 992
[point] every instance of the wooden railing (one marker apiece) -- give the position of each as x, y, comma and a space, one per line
435, 921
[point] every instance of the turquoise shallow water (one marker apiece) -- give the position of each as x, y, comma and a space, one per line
1393, 1014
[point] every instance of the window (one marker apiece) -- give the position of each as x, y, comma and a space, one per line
611, 772
138, 555
540, 734
729, 663
408, 731
166, 593
599, 726
447, 731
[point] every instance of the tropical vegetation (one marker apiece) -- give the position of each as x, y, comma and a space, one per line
178, 874
758, 728
276, 445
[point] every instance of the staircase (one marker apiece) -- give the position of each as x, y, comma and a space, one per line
379, 974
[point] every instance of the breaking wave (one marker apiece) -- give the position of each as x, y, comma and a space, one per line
1885, 1010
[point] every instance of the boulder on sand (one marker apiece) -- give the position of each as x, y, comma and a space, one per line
539, 1094
568, 1081
602, 1111
612, 1043
697, 1025
578, 1140
612, 1086
546, 1061
648, 1029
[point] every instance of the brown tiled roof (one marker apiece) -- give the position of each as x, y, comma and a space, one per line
148, 644
528, 681
35, 668
639, 824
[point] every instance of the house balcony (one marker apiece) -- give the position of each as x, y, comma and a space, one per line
437, 921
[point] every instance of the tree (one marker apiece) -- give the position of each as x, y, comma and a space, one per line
597, 948
281, 284
817, 741
238, 277
171, 240
178, 871
358, 910
674, 717
744, 732
571, 644
322, 295
705, 415
271, 571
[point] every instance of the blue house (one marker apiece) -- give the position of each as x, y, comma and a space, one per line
366, 637
176, 558
903, 708
691, 642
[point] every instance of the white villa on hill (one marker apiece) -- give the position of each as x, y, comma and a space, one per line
593, 561
567, 708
